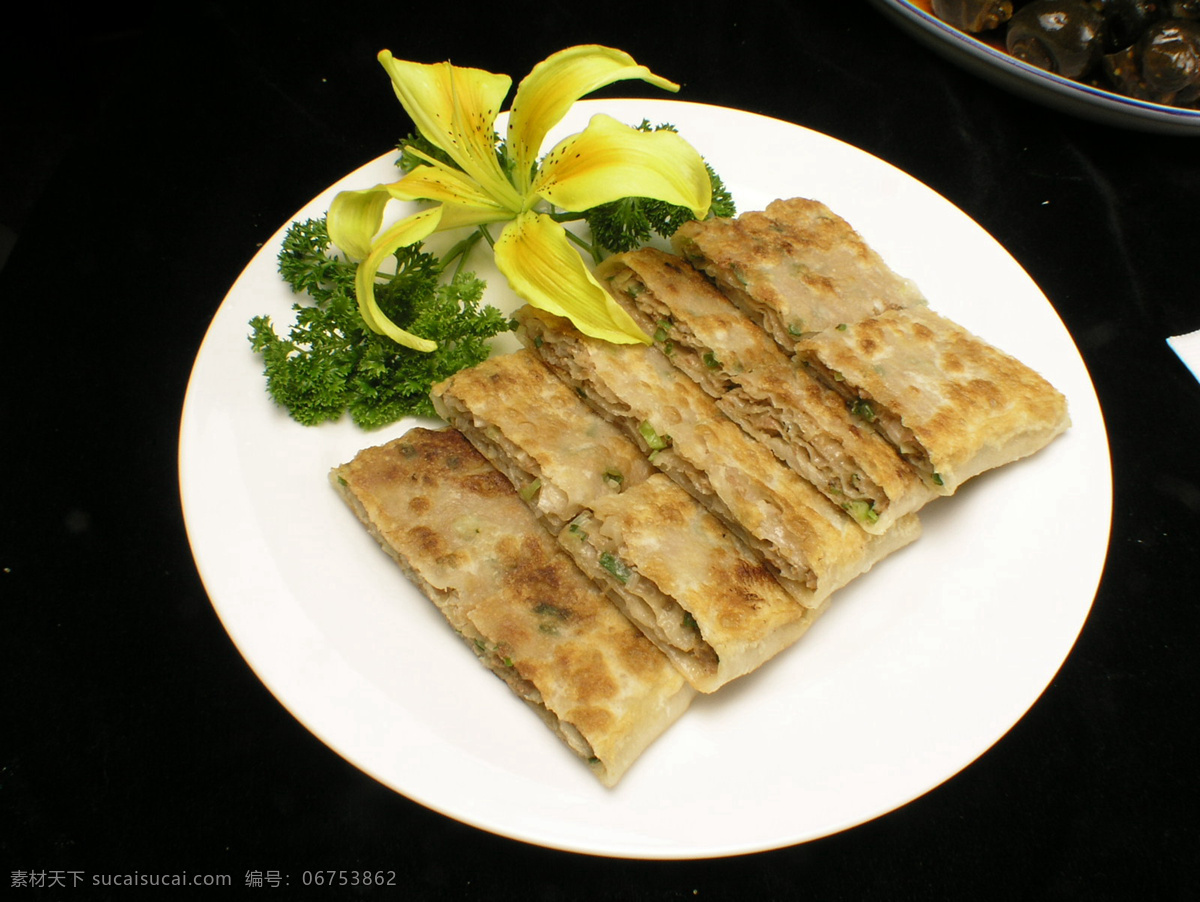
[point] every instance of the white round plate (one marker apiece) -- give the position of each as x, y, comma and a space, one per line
918, 667
1038, 85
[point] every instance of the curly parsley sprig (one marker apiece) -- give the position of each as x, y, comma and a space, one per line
330, 363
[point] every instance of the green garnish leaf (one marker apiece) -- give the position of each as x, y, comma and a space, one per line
413, 146
330, 362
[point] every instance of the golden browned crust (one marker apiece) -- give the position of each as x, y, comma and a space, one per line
799, 419
458, 529
795, 268
539, 433
739, 610
966, 405
810, 544
699, 545
708, 337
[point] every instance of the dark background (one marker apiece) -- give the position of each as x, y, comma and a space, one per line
146, 154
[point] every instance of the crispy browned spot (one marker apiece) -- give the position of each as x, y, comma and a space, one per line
589, 673
952, 363
638, 655
428, 541
591, 720
488, 484
452, 560
922, 331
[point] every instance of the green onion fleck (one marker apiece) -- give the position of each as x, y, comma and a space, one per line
862, 511
575, 527
863, 410
529, 491
654, 441
617, 567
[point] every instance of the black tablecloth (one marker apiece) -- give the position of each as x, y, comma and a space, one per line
147, 154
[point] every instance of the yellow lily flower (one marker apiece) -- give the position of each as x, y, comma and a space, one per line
455, 109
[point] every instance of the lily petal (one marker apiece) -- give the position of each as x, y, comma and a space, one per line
609, 160
543, 268
354, 218
553, 85
455, 108
471, 205
407, 231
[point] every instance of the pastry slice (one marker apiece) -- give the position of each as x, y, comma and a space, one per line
538, 432
802, 421
795, 268
810, 545
949, 402
459, 531
692, 586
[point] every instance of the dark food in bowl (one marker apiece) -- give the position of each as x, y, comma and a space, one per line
1163, 66
1145, 49
1126, 20
1061, 36
1170, 54
973, 15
